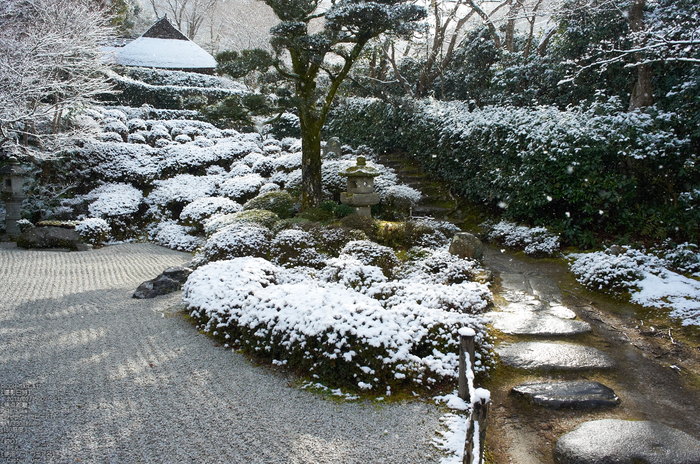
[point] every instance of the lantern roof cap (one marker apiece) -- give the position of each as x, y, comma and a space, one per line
12, 169
360, 169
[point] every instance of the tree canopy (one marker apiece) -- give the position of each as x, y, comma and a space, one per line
313, 39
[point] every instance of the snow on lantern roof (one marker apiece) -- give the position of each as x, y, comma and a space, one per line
163, 46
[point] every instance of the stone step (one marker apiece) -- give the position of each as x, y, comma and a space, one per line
623, 441
553, 356
569, 394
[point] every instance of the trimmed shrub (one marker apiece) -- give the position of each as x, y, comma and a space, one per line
372, 254
203, 208
95, 231
258, 217
294, 247
238, 240
279, 202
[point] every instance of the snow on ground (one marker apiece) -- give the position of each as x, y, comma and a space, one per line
649, 278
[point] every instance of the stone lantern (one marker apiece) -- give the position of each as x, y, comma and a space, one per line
360, 187
12, 194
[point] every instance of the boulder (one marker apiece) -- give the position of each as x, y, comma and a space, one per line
626, 442
169, 281
51, 237
466, 245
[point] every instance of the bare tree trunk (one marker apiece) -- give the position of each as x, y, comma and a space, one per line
642, 93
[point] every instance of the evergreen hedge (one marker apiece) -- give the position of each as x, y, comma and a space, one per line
582, 171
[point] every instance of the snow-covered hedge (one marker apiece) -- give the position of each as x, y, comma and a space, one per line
598, 167
351, 328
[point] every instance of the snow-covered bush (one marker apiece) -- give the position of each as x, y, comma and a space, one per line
269, 187
254, 217
237, 240
294, 247
644, 276
372, 254
535, 241
288, 162
332, 239
343, 336
242, 188
136, 125
440, 267
24, 224
175, 192
93, 230
293, 180
264, 166
617, 268
397, 201
170, 234
114, 200
577, 170
205, 207
117, 127
279, 202
683, 258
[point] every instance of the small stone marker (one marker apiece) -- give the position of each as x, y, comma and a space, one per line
332, 148
466, 245
576, 394
553, 356
626, 442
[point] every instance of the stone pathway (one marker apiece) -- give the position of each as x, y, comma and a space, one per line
532, 313
548, 348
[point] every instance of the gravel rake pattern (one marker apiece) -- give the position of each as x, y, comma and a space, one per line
88, 374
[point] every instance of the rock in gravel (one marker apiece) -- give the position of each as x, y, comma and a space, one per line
576, 394
553, 356
613, 441
169, 281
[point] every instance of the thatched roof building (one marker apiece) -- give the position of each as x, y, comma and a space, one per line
164, 47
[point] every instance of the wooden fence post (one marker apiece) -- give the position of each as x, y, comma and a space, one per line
478, 417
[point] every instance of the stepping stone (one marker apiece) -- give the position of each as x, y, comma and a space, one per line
536, 323
626, 442
578, 394
515, 283
553, 356
546, 289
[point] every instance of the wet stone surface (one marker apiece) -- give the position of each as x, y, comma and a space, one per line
553, 356
537, 323
626, 442
577, 394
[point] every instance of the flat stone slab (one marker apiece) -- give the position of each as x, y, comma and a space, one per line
515, 283
536, 323
626, 442
577, 394
546, 289
553, 356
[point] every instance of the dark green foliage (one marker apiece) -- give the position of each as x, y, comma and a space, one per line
598, 170
239, 65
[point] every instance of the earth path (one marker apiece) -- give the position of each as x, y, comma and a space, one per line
88, 374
